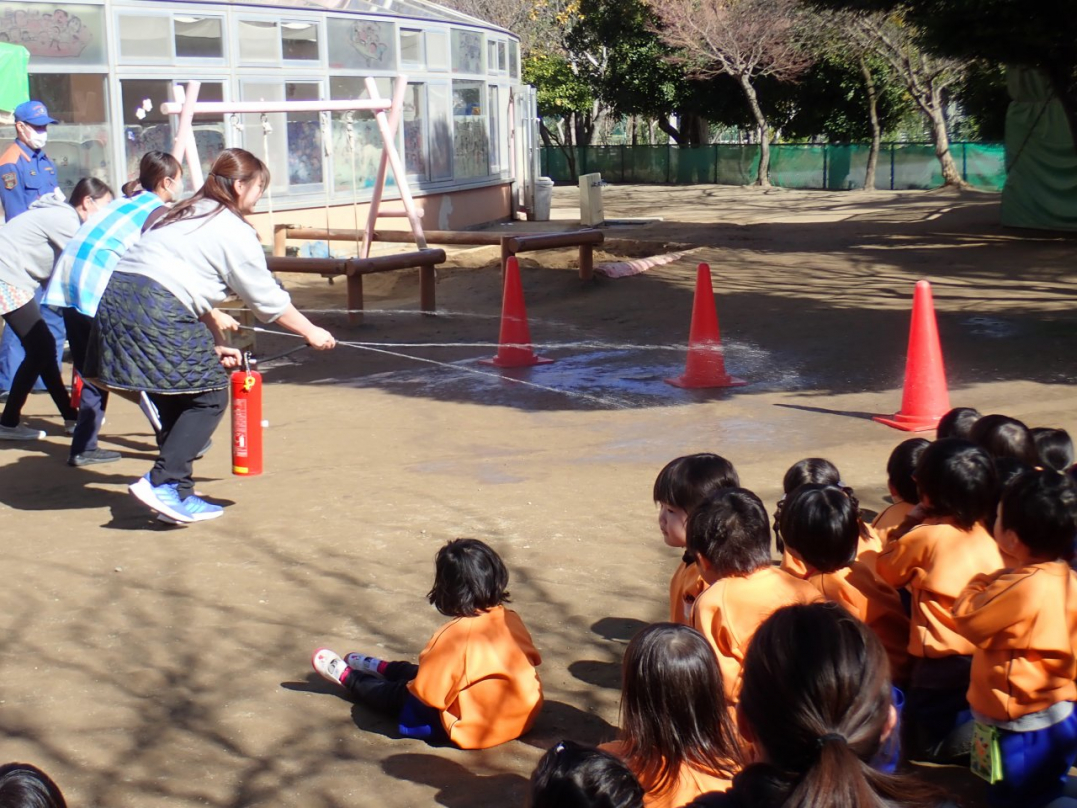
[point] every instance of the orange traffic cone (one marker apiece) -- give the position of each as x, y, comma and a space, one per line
705, 366
925, 398
515, 339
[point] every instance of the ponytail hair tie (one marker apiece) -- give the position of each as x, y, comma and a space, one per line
831, 736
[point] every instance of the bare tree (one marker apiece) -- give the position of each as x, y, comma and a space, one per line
926, 77
745, 39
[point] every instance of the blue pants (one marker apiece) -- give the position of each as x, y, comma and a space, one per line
1034, 765
94, 400
12, 353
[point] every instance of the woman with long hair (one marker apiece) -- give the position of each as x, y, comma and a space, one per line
155, 329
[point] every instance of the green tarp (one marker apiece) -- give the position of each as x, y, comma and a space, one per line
1041, 189
14, 83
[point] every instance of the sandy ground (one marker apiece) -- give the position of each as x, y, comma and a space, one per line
148, 666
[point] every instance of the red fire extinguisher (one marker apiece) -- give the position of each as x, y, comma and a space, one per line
246, 420
76, 389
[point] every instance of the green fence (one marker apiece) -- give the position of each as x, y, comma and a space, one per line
901, 166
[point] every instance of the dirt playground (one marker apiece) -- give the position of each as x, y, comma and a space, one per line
147, 666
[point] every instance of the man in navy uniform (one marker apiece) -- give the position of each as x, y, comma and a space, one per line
26, 174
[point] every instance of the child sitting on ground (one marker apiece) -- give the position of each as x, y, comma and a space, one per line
816, 703
23, 785
819, 523
476, 683
1054, 447
1023, 622
676, 733
679, 488
899, 479
936, 560
571, 775
819, 471
729, 536
1003, 436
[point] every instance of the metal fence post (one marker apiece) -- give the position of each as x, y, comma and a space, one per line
623, 162
669, 163
891, 166
825, 166
715, 163
965, 162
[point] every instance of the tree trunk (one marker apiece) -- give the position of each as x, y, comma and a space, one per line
939, 136
678, 136
876, 130
763, 177
550, 139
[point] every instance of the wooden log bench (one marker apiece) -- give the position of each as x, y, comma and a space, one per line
584, 239
355, 268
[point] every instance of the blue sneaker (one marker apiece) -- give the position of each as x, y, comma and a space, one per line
200, 510
162, 498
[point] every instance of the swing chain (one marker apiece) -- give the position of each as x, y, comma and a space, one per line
235, 120
267, 127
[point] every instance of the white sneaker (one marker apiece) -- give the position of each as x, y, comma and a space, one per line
20, 432
363, 663
329, 665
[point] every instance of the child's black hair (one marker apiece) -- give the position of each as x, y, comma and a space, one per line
23, 785
959, 480
1003, 436
469, 577
731, 531
1009, 469
571, 775
1054, 447
1040, 506
821, 524
901, 467
810, 470
957, 423
686, 481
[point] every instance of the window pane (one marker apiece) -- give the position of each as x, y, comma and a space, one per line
514, 68
495, 143
56, 34
466, 52
502, 61
437, 50
258, 41
79, 143
491, 55
411, 47
440, 110
359, 44
470, 144
299, 41
154, 131
145, 37
414, 130
199, 37
363, 150
306, 146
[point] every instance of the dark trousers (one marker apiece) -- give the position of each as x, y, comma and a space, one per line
188, 420
94, 400
937, 721
386, 695
40, 361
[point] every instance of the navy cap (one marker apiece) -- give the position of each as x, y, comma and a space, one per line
33, 112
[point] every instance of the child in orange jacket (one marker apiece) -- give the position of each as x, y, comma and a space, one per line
900, 469
476, 684
935, 561
821, 531
729, 536
680, 487
1023, 623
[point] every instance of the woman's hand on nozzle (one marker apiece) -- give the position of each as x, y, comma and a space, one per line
229, 357
320, 339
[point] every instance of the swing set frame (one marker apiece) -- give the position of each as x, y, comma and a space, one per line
387, 114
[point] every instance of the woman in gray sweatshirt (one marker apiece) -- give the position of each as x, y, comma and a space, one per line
29, 247
155, 329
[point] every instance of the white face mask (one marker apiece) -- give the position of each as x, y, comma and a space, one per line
37, 139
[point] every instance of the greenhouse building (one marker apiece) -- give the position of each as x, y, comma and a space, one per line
104, 69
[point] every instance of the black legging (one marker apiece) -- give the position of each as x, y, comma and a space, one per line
40, 360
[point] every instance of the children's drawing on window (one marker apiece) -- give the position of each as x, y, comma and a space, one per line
45, 32
304, 152
466, 52
372, 42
